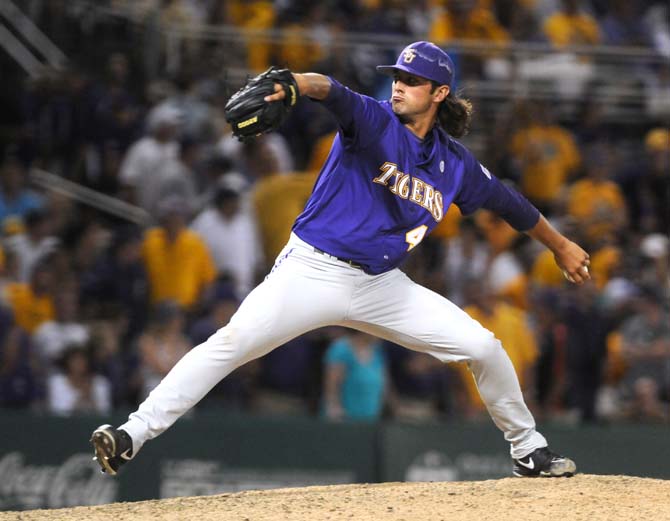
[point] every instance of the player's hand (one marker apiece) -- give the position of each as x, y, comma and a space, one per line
574, 262
279, 94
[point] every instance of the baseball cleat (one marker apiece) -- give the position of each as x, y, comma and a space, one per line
113, 447
544, 463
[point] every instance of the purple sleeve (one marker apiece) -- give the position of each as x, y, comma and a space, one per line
481, 189
361, 118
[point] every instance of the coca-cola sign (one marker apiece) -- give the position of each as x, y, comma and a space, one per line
75, 482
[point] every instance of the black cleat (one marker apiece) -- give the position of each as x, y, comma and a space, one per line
542, 462
113, 447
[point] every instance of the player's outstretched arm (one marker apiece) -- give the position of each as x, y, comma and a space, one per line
569, 256
310, 84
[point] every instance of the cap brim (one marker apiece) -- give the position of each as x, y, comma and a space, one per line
389, 70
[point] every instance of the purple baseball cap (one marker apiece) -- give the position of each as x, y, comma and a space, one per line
423, 59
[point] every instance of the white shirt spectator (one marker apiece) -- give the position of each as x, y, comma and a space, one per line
66, 399
234, 245
53, 337
503, 270
175, 179
144, 165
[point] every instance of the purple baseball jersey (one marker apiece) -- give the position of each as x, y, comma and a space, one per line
382, 189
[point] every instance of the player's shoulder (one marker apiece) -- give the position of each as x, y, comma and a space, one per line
456, 147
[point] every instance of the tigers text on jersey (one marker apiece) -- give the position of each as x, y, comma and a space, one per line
382, 189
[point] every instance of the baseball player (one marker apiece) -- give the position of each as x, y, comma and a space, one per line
393, 170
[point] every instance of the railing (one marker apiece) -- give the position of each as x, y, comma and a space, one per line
102, 202
517, 69
29, 59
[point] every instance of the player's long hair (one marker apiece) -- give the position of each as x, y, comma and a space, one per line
454, 114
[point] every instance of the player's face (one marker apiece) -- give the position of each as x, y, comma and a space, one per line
411, 95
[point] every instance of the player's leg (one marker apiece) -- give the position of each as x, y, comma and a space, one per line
304, 291
394, 307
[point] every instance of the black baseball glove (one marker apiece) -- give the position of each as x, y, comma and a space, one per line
250, 115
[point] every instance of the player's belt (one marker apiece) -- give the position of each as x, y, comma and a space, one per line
349, 262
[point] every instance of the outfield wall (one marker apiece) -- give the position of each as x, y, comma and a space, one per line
45, 462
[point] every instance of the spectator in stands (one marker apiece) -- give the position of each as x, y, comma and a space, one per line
36, 242
113, 355
288, 378
466, 20
646, 184
645, 404
545, 274
356, 382
511, 326
16, 201
77, 389
118, 280
466, 258
383, 17
229, 230
177, 261
551, 366
196, 122
278, 198
596, 202
655, 261
162, 344
423, 388
593, 126
252, 16
587, 327
308, 32
646, 352
519, 19
20, 370
570, 25
545, 154
116, 111
144, 163
32, 303
505, 273
178, 177
265, 155
606, 259
53, 337
87, 242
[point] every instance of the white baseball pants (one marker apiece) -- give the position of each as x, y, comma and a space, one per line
306, 290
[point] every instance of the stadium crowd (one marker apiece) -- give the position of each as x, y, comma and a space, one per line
95, 309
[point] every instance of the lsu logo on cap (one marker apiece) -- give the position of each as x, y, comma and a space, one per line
409, 55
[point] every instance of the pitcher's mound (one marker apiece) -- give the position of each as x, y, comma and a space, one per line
584, 497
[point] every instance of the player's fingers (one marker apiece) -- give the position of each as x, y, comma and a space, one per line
579, 276
568, 277
584, 273
278, 95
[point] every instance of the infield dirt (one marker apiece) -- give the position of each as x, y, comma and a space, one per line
584, 497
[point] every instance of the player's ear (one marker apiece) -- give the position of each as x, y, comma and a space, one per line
441, 93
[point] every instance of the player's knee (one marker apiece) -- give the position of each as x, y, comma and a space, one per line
483, 346
223, 344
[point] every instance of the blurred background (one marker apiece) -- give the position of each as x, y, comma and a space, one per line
132, 224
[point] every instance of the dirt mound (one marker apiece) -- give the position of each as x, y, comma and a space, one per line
584, 497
